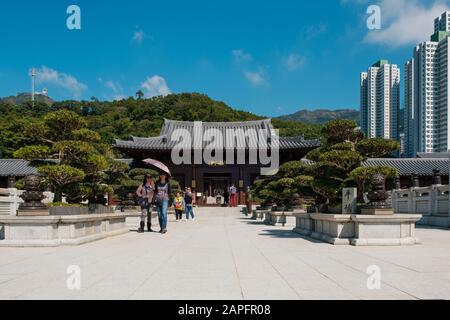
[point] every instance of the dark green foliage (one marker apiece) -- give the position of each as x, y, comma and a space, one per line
362, 177
339, 158
59, 176
20, 125
282, 188
378, 147
293, 129
81, 166
340, 131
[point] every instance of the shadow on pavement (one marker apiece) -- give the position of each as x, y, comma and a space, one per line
431, 228
287, 234
252, 222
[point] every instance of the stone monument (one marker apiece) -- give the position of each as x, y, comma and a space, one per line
349, 200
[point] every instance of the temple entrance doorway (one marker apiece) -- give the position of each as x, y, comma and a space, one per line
215, 186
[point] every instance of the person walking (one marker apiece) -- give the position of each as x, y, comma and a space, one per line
227, 197
162, 196
189, 201
233, 196
146, 192
179, 205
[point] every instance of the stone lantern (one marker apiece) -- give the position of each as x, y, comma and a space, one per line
11, 182
415, 183
32, 198
437, 179
378, 197
397, 183
129, 203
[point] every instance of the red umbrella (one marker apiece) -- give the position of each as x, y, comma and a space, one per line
158, 165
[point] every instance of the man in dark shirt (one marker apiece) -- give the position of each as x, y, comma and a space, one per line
189, 200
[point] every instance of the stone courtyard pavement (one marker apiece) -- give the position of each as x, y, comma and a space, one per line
224, 255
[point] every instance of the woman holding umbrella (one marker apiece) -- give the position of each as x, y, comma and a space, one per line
162, 192
162, 196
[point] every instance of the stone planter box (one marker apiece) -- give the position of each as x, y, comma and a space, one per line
304, 224
335, 210
259, 214
359, 230
275, 218
68, 211
52, 231
100, 209
393, 230
79, 210
334, 229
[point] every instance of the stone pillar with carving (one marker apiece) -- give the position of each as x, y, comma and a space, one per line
32, 198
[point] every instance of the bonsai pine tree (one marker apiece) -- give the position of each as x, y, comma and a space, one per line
79, 161
343, 149
286, 187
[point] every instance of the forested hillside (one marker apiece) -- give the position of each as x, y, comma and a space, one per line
125, 118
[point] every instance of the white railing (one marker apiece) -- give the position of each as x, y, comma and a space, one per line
430, 201
10, 201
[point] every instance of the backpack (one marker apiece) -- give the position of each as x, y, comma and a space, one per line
179, 204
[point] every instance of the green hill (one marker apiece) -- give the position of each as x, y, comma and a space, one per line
322, 116
130, 117
23, 98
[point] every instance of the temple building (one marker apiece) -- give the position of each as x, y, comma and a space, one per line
212, 179
12, 170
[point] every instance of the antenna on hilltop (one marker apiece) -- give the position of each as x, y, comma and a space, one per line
33, 74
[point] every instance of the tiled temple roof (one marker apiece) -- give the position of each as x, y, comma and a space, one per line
408, 167
16, 168
251, 128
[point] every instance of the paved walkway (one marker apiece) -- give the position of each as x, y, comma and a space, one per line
226, 256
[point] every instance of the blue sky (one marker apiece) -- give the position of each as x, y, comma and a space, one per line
268, 57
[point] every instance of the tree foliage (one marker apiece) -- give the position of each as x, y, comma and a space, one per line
377, 147
23, 125
63, 137
59, 176
338, 160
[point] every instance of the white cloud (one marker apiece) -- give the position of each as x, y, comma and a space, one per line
406, 22
115, 88
138, 36
155, 86
49, 76
256, 78
241, 56
315, 30
294, 61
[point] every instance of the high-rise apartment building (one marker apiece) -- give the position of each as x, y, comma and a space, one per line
427, 93
380, 100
